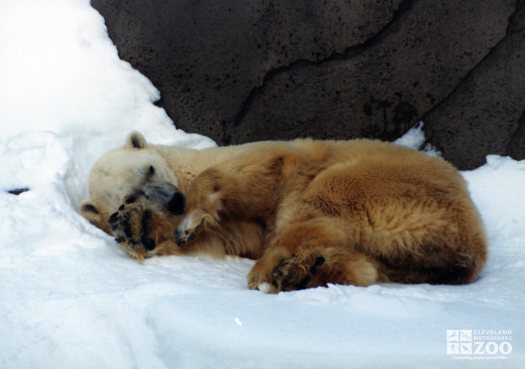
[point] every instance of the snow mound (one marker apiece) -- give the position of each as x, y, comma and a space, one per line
66, 97
70, 298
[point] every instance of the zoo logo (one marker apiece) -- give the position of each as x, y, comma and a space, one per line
479, 344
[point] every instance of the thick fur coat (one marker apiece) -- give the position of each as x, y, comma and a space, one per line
310, 212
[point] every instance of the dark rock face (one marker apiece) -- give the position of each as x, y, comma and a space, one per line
263, 69
486, 112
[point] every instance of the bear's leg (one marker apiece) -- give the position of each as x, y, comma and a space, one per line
312, 254
418, 226
246, 187
310, 267
144, 231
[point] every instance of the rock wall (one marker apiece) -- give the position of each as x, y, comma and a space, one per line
264, 69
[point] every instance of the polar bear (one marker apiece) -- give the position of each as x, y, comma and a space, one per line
310, 212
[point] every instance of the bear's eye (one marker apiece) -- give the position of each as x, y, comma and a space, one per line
151, 172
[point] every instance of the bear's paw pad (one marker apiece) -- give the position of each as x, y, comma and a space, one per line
131, 226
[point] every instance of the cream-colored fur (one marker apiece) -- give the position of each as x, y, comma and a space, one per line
312, 212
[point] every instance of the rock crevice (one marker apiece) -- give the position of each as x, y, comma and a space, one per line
345, 54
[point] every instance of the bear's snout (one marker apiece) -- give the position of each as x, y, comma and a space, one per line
165, 195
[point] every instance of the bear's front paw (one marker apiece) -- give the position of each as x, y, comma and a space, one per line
131, 226
190, 227
194, 223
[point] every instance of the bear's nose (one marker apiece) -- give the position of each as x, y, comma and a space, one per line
176, 204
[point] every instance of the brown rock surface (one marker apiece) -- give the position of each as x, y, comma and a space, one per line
244, 71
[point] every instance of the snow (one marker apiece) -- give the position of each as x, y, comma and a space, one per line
70, 298
415, 138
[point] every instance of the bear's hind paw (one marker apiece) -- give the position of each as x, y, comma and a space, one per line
298, 272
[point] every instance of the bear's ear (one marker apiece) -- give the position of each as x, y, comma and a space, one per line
135, 140
89, 211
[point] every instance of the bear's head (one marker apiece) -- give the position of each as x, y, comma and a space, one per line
135, 172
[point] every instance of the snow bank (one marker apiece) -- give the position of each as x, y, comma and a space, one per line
70, 298
66, 96
415, 138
